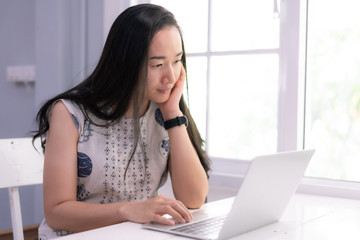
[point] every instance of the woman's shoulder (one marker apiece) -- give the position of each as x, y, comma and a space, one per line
70, 105
59, 117
64, 107
59, 107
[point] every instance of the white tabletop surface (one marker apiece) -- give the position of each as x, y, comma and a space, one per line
306, 217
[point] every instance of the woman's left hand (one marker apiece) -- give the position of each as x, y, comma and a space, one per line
170, 109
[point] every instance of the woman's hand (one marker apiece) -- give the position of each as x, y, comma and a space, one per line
170, 109
152, 210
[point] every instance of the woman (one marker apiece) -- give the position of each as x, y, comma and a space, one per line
111, 140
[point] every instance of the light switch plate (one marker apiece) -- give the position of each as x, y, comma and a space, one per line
25, 73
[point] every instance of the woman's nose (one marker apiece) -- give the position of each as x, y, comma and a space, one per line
169, 75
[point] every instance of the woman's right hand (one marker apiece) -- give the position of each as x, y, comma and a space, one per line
154, 209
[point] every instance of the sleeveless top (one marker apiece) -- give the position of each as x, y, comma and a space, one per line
106, 174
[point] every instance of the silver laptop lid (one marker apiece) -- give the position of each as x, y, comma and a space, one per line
267, 188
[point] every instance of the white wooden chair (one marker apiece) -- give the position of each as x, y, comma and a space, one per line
20, 165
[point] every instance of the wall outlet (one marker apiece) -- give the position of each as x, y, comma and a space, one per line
24, 73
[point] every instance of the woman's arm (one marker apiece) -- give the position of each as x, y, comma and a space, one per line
188, 177
61, 209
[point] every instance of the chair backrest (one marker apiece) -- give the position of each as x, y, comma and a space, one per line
20, 165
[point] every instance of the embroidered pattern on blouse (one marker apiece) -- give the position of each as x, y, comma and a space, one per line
82, 193
84, 165
159, 117
165, 144
119, 144
75, 120
60, 233
87, 133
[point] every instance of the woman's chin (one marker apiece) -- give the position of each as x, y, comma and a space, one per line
160, 100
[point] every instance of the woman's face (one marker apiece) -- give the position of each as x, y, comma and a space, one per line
164, 64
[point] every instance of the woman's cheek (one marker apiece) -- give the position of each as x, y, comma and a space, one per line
178, 73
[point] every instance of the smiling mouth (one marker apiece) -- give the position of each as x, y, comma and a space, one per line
167, 89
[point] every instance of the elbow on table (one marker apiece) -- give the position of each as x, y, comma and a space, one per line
51, 220
192, 198
194, 202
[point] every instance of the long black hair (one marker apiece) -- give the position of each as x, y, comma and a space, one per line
120, 75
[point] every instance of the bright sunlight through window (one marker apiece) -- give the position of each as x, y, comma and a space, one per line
333, 89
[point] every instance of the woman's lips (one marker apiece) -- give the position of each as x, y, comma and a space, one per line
167, 89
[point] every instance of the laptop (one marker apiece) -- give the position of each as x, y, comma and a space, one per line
269, 184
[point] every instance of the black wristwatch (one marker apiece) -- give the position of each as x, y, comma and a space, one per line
178, 121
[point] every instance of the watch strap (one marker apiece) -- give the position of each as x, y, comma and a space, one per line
178, 121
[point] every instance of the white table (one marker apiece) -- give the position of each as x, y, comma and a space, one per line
306, 217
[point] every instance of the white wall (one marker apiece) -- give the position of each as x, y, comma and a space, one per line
63, 39
17, 47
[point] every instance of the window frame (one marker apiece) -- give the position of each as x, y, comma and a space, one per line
290, 99
228, 173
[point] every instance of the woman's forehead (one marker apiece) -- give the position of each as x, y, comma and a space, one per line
166, 40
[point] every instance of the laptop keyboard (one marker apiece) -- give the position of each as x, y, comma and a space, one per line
210, 226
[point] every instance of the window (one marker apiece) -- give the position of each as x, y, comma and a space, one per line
333, 89
228, 59
260, 82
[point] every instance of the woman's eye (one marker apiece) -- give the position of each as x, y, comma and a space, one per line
157, 65
178, 61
